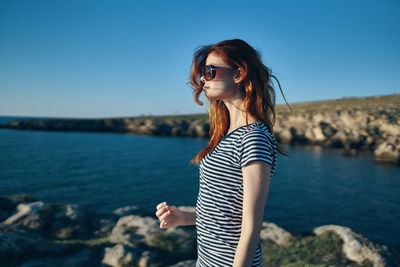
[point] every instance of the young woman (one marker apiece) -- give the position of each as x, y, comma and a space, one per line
239, 160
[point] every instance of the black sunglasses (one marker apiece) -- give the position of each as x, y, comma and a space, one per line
209, 71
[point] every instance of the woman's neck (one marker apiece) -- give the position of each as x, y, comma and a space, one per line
236, 117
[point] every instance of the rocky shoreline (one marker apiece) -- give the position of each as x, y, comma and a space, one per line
34, 233
352, 124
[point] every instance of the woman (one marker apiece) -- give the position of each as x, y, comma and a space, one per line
239, 160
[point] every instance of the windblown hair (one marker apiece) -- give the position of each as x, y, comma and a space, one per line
256, 86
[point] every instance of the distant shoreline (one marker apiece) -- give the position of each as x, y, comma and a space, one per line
351, 123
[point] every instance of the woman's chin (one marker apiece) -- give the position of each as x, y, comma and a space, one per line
208, 97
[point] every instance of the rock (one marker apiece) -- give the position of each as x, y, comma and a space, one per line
317, 118
146, 129
16, 243
82, 258
132, 229
355, 139
197, 129
104, 227
124, 211
285, 136
119, 255
327, 129
318, 134
146, 258
144, 232
188, 263
387, 153
346, 120
71, 212
52, 220
65, 221
23, 210
274, 233
174, 240
339, 139
356, 247
391, 129
177, 131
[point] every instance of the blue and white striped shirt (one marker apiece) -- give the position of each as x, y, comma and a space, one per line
220, 199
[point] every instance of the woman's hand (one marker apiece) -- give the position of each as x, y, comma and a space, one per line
169, 216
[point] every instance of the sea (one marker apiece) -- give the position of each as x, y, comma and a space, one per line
314, 186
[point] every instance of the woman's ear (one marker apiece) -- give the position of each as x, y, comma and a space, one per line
237, 77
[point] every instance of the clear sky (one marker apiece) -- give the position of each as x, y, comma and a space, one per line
97, 58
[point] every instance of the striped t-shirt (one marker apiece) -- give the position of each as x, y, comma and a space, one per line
220, 199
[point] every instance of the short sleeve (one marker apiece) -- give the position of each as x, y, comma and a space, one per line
256, 145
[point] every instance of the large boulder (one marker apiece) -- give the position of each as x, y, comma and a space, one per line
131, 230
387, 153
52, 220
198, 128
274, 233
27, 214
17, 243
139, 234
356, 247
119, 255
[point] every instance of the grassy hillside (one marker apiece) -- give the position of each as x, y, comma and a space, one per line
389, 103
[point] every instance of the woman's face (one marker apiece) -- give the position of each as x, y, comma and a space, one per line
223, 86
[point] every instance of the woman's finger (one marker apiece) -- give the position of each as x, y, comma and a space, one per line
161, 211
161, 204
162, 217
162, 224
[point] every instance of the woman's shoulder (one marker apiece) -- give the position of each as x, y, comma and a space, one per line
257, 130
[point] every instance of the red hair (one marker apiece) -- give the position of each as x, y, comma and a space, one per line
256, 86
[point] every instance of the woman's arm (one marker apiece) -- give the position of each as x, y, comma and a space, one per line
256, 179
171, 216
189, 218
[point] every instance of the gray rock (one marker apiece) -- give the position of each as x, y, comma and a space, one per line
339, 139
188, 263
285, 136
124, 211
387, 153
118, 255
146, 258
104, 227
132, 229
15, 243
23, 210
82, 258
356, 247
197, 129
274, 233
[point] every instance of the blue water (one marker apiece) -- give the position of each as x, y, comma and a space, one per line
105, 171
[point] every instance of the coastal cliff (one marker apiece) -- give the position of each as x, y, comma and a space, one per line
352, 124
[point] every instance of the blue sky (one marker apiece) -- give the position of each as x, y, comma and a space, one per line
81, 58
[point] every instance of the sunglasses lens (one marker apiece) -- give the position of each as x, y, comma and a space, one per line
208, 73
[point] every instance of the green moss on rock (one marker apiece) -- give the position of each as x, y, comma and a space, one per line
321, 250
